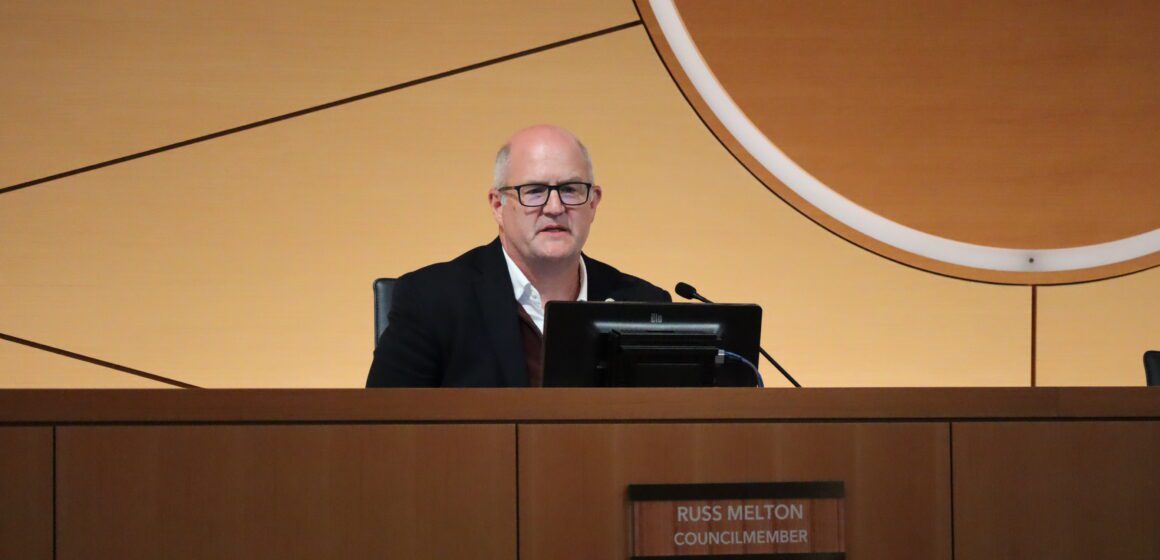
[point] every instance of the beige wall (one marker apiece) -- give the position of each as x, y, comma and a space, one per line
246, 260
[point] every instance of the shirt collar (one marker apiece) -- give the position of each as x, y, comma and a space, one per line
523, 288
583, 295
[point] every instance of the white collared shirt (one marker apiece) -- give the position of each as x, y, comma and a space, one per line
529, 297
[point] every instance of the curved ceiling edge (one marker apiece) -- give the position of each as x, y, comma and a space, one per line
1013, 265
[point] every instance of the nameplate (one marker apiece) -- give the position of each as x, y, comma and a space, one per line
798, 520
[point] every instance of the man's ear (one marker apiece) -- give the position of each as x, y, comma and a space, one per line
495, 200
597, 194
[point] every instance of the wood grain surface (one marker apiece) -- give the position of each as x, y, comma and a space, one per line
574, 479
997, 124
321, 491
92, 81
1061, 490
507, 405
26, 493
1021, 473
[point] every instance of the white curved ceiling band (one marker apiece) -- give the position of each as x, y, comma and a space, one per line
861, 219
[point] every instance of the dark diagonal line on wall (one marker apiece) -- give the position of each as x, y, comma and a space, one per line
322, 107
97, 361
256, 124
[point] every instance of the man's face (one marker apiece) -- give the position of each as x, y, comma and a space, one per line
553, 232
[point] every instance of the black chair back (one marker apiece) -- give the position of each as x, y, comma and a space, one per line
1152, 367
384, 289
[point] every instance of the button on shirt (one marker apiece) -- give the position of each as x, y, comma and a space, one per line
529, 297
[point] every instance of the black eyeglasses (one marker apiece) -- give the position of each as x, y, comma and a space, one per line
536, 194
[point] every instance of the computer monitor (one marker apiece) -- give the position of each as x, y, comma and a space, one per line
623, 344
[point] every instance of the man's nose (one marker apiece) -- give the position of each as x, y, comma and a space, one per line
555, 204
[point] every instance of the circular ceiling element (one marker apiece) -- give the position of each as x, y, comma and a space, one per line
984, 140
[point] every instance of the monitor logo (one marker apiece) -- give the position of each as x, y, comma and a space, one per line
656, 318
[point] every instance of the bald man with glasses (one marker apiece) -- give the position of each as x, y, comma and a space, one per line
478, 320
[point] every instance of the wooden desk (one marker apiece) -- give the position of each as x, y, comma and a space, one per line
542, 474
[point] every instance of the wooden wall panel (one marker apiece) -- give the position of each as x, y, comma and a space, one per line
574, 479
1096, 334
321, 491
26, 528
92, 81
1056, 490
247, 261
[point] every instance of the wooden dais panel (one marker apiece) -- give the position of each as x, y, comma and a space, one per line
26, 493
318, 491
574, 479
1057, 490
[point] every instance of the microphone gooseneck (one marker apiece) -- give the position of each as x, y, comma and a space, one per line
688, 292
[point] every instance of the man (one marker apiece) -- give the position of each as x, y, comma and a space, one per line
478, 320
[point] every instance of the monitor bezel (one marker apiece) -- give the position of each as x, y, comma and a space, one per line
576, 334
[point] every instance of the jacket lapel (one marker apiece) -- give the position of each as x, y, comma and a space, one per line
600, 282
493, 290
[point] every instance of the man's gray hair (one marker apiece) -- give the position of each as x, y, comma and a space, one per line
499, 174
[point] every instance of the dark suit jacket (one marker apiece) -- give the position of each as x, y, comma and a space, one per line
455, 324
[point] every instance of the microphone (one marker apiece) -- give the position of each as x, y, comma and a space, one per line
688, 292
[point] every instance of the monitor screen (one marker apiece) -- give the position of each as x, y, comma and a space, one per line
623, 344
